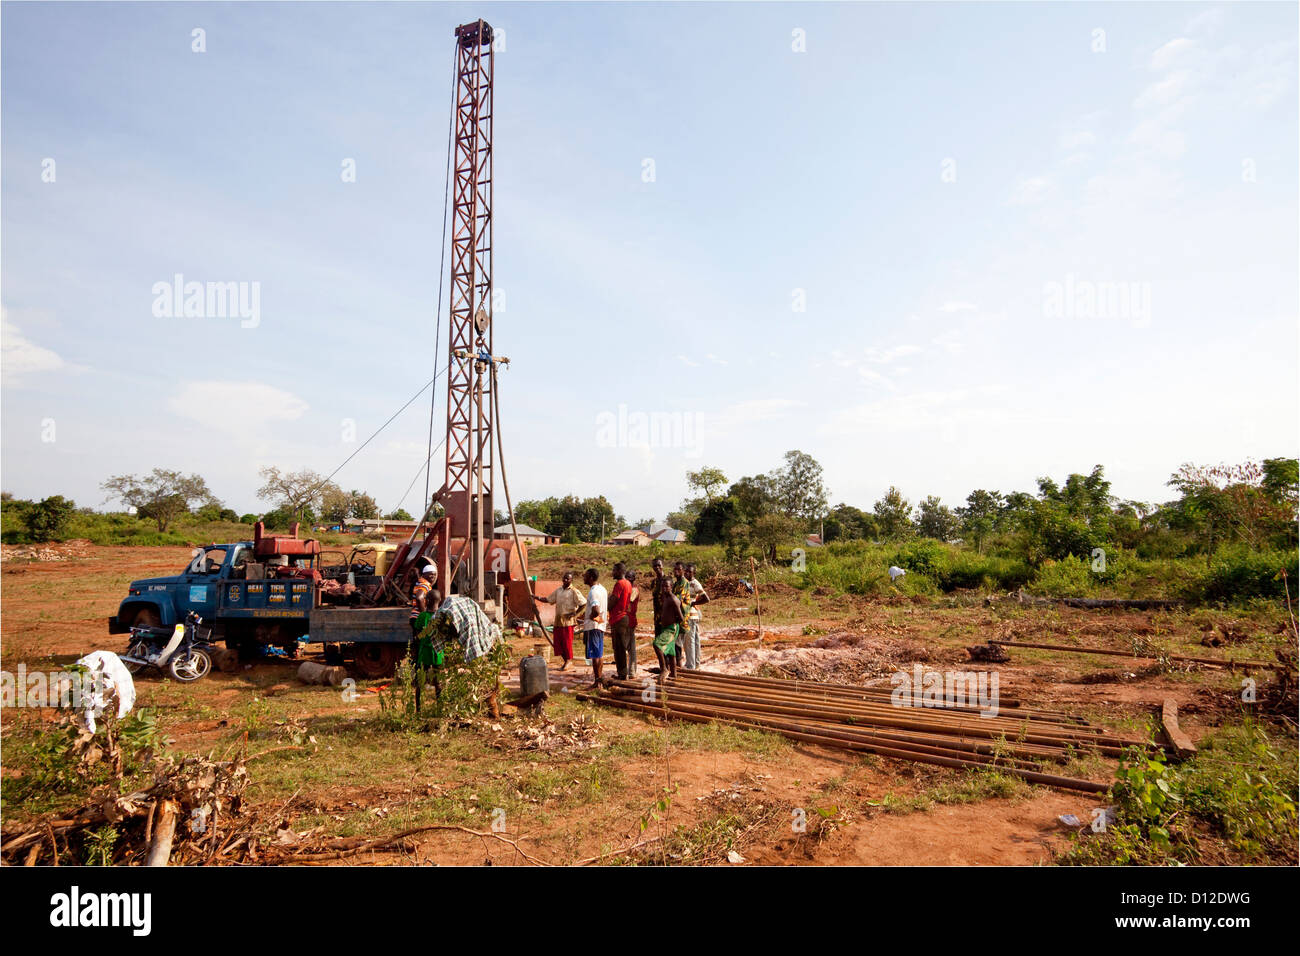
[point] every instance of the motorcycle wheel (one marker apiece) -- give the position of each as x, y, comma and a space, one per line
137, 649
190, 665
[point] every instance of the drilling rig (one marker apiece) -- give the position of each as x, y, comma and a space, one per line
461, 543
276, 589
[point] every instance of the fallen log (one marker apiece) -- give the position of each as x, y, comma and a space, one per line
1094, 604
313, 673
160, 848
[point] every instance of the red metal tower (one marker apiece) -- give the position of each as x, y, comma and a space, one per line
466, 493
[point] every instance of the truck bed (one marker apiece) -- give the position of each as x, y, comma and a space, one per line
383, 625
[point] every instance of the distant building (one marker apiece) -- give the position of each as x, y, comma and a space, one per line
384, 525
633, 536
526, 534
671, 536
813, 541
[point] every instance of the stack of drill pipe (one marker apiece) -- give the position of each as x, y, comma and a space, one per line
867, 720
1024, 723
808, 688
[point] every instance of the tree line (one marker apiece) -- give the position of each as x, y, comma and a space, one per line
1251, 503
1254, 504
166, 496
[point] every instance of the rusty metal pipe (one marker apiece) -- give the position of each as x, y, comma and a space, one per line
1031, 776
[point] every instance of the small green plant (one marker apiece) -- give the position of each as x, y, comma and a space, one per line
99, 845
466, 687
1237, 789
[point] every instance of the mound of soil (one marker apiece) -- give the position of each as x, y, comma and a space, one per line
844, 657
52, 551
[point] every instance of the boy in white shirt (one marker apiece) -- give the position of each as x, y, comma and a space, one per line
692, 628
593, 622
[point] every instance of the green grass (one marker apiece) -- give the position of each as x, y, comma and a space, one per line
708, 738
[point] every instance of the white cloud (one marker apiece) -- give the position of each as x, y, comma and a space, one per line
408, 449
1073, 139
1165, 91
1269, 76
952, 306
1170, 53
236, 408
1156, 138
687, 361
1206, 22
871, 376
885, 356
950, 342
754, 411
20, 358
1033, 189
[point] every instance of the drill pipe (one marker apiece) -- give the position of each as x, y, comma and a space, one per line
804, 686
1030, 776
878, 699
788, 685
871, 710
930, 720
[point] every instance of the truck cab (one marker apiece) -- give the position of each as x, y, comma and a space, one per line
222, 583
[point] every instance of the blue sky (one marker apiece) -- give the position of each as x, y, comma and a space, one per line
924, 177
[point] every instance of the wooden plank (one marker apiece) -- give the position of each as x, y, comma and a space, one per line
1181, 743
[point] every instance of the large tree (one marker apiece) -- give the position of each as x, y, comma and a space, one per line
936, 520
980, 515
571, 517
297, 492
337, 505
800, 490
1070, 519
893, 515
1252, 503
161, 495
754, 496
847, 523
706, 481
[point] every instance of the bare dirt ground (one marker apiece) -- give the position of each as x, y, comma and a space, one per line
584, 783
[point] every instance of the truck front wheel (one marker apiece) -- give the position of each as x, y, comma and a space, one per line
146, 617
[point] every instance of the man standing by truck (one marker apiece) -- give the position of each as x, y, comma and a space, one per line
422, 651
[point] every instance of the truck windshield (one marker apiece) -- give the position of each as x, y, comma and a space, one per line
209, 561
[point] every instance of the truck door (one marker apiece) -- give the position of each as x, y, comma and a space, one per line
202, 582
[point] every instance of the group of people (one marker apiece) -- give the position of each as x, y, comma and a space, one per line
675, 600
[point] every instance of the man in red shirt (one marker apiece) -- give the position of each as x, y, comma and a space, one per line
621, 625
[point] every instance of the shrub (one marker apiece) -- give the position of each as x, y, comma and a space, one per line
1239, 573
1068, 577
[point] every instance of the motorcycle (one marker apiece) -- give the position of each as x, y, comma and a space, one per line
184, 651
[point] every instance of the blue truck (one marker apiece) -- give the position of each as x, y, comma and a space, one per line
275, 591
